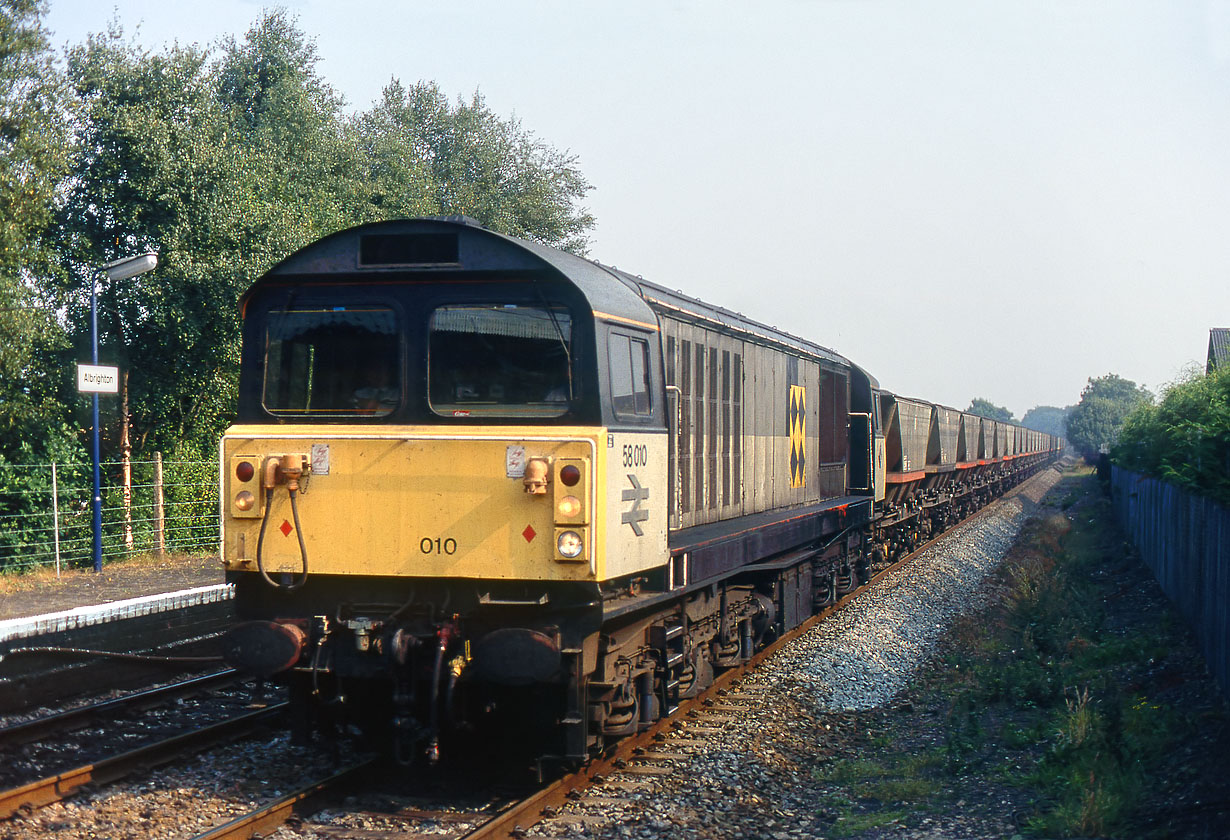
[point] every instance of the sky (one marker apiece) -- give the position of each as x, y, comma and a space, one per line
968, 199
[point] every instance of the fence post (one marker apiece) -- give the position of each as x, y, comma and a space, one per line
55, 515
160, 523
126, 452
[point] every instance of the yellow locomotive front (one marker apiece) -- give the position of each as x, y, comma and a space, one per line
495, 504
450, 445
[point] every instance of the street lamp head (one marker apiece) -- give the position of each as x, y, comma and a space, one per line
131, 266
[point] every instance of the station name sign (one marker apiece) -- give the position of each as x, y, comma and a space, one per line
98, 379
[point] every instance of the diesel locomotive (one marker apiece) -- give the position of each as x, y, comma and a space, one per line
479, 486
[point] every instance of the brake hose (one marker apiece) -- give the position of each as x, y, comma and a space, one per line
260, 542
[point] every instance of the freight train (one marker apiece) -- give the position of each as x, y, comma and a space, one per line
480, 487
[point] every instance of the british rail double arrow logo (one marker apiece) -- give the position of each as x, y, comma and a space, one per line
638, 514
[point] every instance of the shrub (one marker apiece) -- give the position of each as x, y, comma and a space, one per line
1185, 439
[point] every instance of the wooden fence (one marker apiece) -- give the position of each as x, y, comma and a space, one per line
1185, 539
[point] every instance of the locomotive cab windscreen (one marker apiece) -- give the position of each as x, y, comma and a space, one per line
499, 360
334, 361
500, 352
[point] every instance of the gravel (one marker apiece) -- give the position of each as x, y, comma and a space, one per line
867, 653
179, 801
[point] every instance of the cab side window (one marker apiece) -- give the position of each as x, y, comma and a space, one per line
629, 360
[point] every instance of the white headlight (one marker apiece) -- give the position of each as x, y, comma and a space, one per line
570, 544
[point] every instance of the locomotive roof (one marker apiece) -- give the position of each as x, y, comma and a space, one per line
380, 249
692, 309
461, 244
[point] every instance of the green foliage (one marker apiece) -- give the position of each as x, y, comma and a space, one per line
301, 169
986, 408
1105, 404
894, 788
426, 155
156, 170
33, 162
32, 129
1047, 418
1185, 439
26, 527
1055, 669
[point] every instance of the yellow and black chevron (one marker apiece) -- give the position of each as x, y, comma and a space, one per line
798, 435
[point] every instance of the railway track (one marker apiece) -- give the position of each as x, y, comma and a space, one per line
640, 754
642, 750
42, 792
68, 720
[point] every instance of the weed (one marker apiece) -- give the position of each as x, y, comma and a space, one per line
1080, 721
906, 790
869, 786
1044, 681
850, 824
849, 771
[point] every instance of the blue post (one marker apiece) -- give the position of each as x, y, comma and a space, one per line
97, 479
117, 270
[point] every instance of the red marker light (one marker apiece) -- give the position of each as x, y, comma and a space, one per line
244, 471
569, 476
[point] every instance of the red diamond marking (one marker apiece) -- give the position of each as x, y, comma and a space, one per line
529, 533
286, 528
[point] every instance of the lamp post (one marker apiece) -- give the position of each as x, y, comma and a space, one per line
117, 270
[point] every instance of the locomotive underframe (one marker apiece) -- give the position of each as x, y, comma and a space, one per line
451, 659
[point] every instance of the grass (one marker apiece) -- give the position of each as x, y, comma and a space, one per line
878, 793
1050, 665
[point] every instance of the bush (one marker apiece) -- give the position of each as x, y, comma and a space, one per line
1185, 439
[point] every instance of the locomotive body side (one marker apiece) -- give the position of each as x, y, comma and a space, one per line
772, 438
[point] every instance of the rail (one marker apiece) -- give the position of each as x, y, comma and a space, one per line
31, 730
43, 792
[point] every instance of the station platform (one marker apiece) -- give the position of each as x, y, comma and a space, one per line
45, 591
58, 635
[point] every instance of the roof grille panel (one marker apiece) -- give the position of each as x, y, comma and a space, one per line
380, 250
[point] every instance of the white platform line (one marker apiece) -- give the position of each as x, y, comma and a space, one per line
58, 622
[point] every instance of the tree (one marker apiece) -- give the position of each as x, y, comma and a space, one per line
1047, 418
32, 129
223, 167
1185, 439
33, 162
985, 408
302, 168
155, 169
467, 160
1105, 403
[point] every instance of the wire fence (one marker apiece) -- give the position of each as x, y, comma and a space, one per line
46, 518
